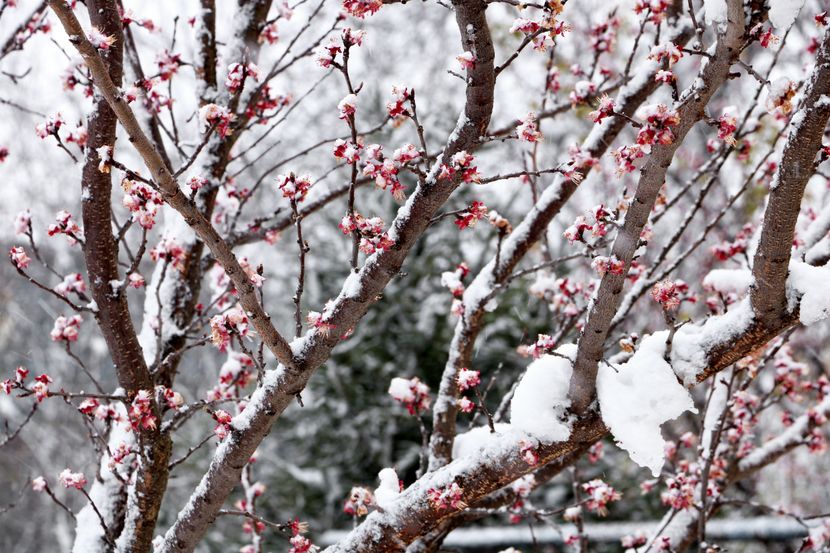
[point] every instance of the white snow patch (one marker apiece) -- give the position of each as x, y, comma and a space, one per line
715, 11
812, 284
782, 13
389, 489
470, 443
729, 281
692, 343
541, 400
639, 398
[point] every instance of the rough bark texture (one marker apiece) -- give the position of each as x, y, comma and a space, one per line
772, 259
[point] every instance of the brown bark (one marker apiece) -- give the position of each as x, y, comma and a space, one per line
772, 258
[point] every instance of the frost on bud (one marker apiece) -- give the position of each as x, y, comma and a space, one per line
411, 393
39, 484
358, 503
293, 187
19, 258
780, 96
69, 479
361, 8
211, 115
448, 497
66, 329
603, 265
347, 106
468, 379
467, 60
600, 495
528, 129
100, 40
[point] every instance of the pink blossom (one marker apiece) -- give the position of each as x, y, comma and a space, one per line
448, 497
19, 258
233, 322
600, 495
39, 484
361, 8
346, 107
528, 129
468, 379
294, 187
69, 479
467, 60
412, 393
220, 116
66, 329
170, 251
100, 40
23, 222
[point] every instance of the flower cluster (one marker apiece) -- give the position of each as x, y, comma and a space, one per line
211, 115
667, 294
347, 106
460, 163
237, 73
595, 221
658, 122
361, 8
142, 201
727, 125
726, 250
72, 282
294, 188
544, 344
372, 236
234, 322
468, 379
234, 375
467, 60
268, 99
65, 224
453, 280
141, 412
169, 251
359, 501
600, 495
655, 10
50, 127
269, 33
582, 92
400, 96
168, 64
411, 393
604, 109
625, 156
100, 40
19, 258
603, 265
66, 328
448, 497
528, 129
384, 170
223, 423
69, 479
470, 216
667, 51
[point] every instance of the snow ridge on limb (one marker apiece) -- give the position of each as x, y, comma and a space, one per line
689, 111
527, 233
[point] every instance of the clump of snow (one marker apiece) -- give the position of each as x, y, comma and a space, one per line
639, 398
729, 281
715, 11
692, 343
541, 400
810, 283
470, 443
389, 489
782, 13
